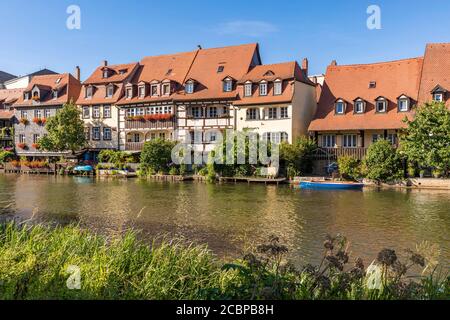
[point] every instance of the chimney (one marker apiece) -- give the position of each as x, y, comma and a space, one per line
334, 63
77, 73
305, 65
105, 63
199, 47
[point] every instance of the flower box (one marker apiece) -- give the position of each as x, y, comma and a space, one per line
22, 146
36, 146
24, 121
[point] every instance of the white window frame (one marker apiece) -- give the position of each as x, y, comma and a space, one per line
350, 141
36, 137
263, 89
24, 114
252, 114
165, 89
107, 111
359, 103
141, 91
228, 85
381, 101
438, 97
96, 133
284, 113
154, 90
89, 92
340, 103
400, 104
47, 113
213, 112
196, 112
96, 112
86, 112
21, 138
272, 113
329, 141
277, 88
248, 89
189, 89
38, 113
107, 134
110, 91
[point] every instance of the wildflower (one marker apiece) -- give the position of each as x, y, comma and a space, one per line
359, 263
431, 255
324, 282
387, 257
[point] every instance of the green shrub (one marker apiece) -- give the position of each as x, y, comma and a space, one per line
296, 157
349, 167
382, 163
157, 155
5, 156
173, 171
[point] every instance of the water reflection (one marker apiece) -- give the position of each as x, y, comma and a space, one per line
231, 217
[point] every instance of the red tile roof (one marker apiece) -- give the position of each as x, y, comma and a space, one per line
119, 73
9, 96
288, 72
49, 83
352, 81
236, 62
436, 71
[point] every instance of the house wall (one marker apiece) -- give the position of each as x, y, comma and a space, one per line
18, 83
304, 108
102, 122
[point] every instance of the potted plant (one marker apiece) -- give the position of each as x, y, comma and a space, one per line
22, 146
24, 121
37, 120
36, 146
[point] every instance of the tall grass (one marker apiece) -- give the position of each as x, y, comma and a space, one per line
34, 262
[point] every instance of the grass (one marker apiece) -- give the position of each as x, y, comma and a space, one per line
34, 264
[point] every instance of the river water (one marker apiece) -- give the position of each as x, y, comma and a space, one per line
229, 218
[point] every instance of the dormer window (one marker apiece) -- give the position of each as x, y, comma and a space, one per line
123, 71
58, 81
55, 94
154, 90
35, 96
109, 91
129, 92
220, 69
141, 91
403, 103
438, 97
340, 106
277, 87
89, 92
105, 73
26, 96
248, 89
166, 89
263, 89
169, 72
228, 85
360, 106
381, 105
189, 88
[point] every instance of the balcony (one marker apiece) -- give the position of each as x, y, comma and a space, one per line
149, 125
134, 146
335, 153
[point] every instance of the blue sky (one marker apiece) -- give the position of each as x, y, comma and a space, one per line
34, 33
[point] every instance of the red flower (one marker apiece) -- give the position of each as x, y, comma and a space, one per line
22, 146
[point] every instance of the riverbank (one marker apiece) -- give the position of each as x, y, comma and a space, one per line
38, 262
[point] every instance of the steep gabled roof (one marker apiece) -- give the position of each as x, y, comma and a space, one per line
436, 70
349, 82
115, 76
271, 72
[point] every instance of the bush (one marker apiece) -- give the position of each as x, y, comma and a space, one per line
296, 157
382, 163
173, 171
5, 156
349, 167
157, 155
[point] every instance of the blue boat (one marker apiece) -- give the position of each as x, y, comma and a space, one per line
325, 185
84, 169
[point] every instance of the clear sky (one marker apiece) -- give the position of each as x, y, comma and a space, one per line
34, 34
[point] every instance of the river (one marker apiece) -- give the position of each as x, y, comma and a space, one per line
229, 218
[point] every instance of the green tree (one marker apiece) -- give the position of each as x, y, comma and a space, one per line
157, 155
65, 131
296, 157
382, 163
349, 167
426, 140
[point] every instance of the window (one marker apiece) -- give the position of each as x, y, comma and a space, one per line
220, 69
86, 113
275, 137
140, 111
87, 133
272, 113
392, 138
248, 89
350, 141
329, 141
189, 87
228, 85
263, 89
47, 113
107, 111
21, 138
26, 96
105, 74
169, 72
196, 112
277, 88
212, 112
129, 93
154, 89
96, 112
23, 114
55, 94
166, 89
38, 113
359, 106
89, 91
141, 92
35, 138
107, 133
96, 133
252, 114
284, 113
403, 105
162, 135
438, 97
110, 91
131, 112
376, 137
381, 106
372, 84
340, 107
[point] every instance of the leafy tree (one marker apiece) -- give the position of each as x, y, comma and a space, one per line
296, 157
157, 155
426, 140
382, 163
6, 155
349, 167
65, 130
116, 157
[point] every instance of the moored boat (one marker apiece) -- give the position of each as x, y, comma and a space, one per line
326, 185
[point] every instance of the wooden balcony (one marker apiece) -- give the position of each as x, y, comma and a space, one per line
149, 125
335, 153
134, 146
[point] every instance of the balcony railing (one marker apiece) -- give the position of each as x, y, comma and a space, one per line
142, 124
134, 146
335, 153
